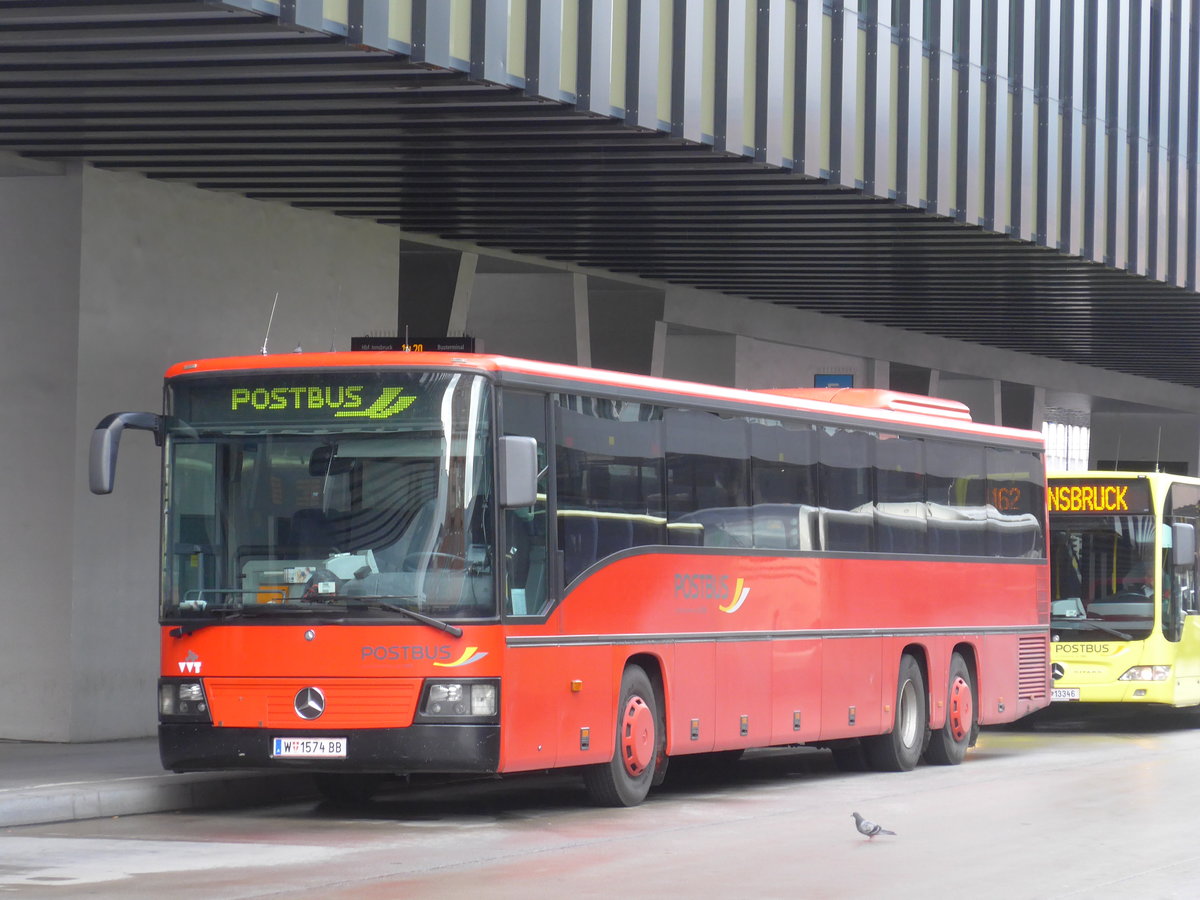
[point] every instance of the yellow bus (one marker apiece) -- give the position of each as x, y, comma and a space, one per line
1124, 611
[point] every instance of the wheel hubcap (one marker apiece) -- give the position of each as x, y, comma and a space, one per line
906, 715
637, 736
961, 713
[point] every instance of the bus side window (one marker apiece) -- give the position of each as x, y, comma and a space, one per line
525, 541
1183, 501
845, 490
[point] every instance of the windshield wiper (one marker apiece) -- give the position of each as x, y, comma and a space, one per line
224, 614
1084, 624
382, 602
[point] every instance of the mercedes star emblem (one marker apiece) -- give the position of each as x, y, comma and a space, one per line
310, 703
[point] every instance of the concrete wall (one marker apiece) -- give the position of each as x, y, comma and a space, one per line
767, 364
527, 315
1146, 440
108, 278
39, 289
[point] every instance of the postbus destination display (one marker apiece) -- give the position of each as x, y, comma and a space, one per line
336, 399
1110, 496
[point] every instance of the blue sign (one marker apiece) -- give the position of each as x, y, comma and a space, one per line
833, 381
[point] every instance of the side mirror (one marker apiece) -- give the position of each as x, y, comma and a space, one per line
1183, 544
106, 438
517, 484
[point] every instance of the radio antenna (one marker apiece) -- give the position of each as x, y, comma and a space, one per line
1158, 451
269, 321
1117, 461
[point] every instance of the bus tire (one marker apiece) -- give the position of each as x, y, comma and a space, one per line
901, 749
626, 778
948, 745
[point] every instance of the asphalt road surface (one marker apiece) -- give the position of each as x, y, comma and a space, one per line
1066, 808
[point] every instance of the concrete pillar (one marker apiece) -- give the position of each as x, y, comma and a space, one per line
40, 259
460, 307
426, 290
658, 354
878, 374
1018, 404
623, 321
583, 333
1038, 416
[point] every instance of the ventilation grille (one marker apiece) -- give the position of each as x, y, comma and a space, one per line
349, 702
1033, 668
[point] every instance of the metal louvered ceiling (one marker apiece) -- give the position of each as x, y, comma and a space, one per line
233, 100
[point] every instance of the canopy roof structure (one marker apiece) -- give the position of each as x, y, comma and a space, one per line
279, 102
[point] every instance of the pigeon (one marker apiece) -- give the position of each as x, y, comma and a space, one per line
867, 827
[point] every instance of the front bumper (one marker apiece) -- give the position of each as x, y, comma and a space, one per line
397, 751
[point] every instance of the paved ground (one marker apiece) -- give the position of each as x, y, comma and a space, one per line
43, 782
1073, 811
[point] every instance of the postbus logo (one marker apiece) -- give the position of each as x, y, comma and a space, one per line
470, 655
729, 597
344, 401
740, 593
439, 656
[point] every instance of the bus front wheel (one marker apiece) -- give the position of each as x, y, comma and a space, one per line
626, 778
948, 745
900, 750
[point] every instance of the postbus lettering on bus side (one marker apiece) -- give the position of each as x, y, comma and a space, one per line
702, 587
1081, 648
407, 652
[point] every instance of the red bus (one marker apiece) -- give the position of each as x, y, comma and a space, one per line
384, 563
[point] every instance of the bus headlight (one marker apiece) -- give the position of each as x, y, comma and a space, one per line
461, 699
182, 701
1147, 673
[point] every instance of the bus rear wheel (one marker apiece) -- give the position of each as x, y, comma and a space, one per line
948, 745
626, 778
900, 750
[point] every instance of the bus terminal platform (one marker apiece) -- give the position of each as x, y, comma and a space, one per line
41, 783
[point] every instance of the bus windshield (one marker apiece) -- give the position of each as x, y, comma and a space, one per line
1102, 577
350, 494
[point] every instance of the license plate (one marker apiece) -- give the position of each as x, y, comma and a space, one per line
308, 748
1064, 694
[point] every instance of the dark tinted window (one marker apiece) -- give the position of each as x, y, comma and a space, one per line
900, 511
956, 491
707, 479
845, 489
783, 467
526, 535
609, 479
1015, 503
